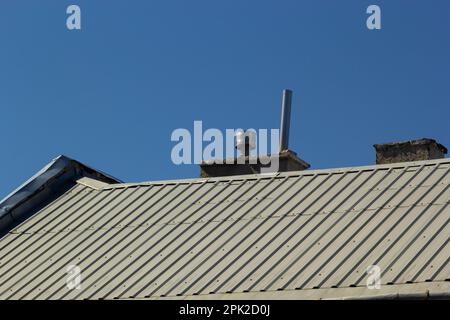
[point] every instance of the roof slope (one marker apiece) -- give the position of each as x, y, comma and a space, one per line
297, 232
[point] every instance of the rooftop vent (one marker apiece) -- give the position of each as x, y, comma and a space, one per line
286, 159
413, 150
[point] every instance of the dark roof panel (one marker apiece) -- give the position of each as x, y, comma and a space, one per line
46, 185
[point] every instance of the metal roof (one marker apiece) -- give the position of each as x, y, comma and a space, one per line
294, 235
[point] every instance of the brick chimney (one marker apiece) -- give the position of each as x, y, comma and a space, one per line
413, 150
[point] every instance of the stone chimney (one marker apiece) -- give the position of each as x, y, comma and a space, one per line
413, 150
287, 161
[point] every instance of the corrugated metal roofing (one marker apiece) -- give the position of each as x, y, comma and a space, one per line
308, 230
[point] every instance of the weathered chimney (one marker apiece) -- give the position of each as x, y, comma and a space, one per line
286, 159
413, 150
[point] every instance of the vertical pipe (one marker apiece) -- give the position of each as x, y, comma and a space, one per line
285, 119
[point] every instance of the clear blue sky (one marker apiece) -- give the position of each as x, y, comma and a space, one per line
111, 94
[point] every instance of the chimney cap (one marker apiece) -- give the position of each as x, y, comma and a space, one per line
413, 150
423, 141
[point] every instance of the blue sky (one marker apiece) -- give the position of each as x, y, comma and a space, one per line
111, 94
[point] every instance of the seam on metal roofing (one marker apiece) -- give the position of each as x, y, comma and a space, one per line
258, 217
305, 231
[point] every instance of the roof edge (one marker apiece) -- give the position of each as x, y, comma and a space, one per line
439, 289
49, 182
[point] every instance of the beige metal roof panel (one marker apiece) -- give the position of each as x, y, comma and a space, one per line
310, 230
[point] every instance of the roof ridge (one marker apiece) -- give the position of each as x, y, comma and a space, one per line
399, 165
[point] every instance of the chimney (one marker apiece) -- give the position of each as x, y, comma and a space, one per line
413, 150
285, 119
286, 159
